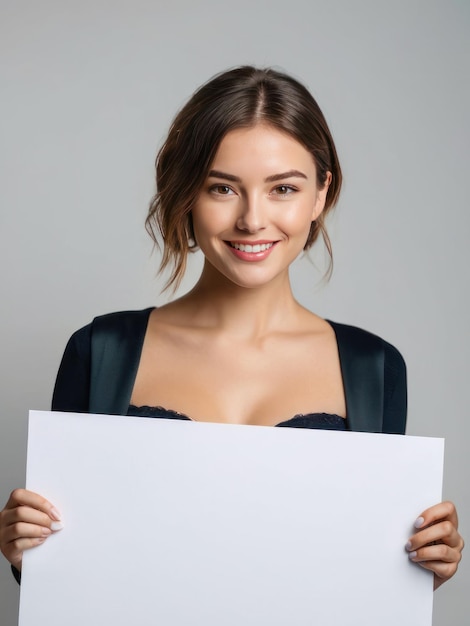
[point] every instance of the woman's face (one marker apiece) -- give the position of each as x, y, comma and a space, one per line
253, 214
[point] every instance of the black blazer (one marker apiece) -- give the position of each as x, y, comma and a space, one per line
100, 362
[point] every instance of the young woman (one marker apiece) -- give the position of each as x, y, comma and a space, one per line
247, 174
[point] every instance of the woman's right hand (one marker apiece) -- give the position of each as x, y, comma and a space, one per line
26, 521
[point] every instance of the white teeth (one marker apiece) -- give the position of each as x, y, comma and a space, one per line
258, 247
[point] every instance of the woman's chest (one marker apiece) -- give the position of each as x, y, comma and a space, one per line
243, 383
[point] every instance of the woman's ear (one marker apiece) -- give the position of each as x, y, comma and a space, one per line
321, 197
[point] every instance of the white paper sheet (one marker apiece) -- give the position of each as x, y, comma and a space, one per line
172, 523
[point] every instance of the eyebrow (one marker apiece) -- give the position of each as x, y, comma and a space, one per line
269, 179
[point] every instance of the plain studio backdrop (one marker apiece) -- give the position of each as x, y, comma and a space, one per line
88, 90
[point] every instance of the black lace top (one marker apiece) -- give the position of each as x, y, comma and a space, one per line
325, 421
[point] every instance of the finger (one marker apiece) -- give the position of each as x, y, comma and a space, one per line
13, 551
442, 532
441, 511
23, 497
23, 530
442, 570
438, 553
25, 514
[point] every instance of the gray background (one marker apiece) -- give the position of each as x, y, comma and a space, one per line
88, 91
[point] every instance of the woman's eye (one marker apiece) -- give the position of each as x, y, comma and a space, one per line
221, 190
284, 190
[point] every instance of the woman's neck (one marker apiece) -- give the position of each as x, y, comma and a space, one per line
245, 313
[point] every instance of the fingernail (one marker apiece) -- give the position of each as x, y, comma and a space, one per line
45, 532
55, 514
419, 522
412, 555
408, 545
56, 526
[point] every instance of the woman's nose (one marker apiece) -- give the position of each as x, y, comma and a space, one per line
252, 216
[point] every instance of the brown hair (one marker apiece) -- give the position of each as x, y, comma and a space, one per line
238, 98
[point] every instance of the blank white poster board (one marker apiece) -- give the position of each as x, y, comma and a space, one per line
173, 523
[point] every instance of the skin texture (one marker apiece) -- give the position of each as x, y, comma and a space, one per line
261, 190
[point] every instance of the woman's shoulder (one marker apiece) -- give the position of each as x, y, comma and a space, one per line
361, 340
373, 370
116, 320
99, 361
116, 324
123, 317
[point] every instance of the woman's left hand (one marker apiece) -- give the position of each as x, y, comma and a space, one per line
437, 545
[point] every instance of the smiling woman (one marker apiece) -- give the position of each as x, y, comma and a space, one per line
247, 174
253, 208
239, 99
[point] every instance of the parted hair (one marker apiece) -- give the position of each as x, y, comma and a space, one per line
238, 98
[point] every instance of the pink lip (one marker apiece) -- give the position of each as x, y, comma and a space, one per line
251, 256
250, 242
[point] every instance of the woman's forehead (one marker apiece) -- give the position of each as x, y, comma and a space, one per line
261, 148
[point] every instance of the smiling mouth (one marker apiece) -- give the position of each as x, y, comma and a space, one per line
246, 247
